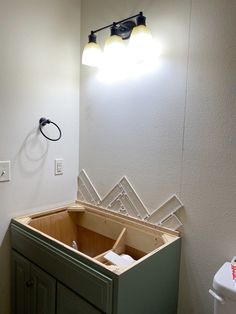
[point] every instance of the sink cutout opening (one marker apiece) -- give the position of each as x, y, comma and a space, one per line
96, 234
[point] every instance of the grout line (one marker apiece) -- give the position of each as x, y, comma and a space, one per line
185, 104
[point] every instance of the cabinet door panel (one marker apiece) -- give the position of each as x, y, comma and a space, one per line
69, 302
43, 292
20, 279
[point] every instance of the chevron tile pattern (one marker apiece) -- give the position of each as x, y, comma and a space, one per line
86, 190
124, 199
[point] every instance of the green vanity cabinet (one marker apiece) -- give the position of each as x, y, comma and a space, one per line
34, 291
20, 281
51, 277
70, 303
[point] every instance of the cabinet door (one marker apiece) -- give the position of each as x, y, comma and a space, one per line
69, 302
33, 290
43, 292
20, 284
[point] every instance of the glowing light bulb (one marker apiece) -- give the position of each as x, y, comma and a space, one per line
114, 51
92, 55
140, 43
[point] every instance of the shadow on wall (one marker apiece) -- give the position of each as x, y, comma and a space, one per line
33, 152
5, 266
30, 160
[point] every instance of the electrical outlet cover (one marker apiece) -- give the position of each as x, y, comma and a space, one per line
59, 166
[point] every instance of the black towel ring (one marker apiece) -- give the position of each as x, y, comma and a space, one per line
43, 122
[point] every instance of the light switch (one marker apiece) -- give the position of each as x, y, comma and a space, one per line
59, 165
5, 171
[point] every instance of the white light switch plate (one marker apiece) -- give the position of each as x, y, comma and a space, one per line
59, 166
5, 171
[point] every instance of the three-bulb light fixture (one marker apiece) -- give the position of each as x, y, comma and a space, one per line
115, 51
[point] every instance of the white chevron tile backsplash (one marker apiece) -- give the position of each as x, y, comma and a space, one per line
124, 199
86, 190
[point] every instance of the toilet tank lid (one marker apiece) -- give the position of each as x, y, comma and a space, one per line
223, 282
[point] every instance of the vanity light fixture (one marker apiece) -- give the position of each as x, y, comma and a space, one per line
114, 50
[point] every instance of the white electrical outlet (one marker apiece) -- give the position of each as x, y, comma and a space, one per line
59, 166
5, 171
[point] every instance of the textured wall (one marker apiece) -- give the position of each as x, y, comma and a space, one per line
172, 130
209, 164
39, 75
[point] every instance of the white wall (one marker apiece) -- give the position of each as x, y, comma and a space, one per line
39, 76
209, 164
173, 130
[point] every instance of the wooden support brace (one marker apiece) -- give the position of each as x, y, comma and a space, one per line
119, 246
100, 258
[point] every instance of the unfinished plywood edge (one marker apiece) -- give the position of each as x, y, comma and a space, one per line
25, 220
129, 220
166, 238
100, 258
145, 226
76, 208
44, 212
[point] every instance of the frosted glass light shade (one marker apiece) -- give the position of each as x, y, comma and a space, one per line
92, 55
114, 49
140, 42
140, 35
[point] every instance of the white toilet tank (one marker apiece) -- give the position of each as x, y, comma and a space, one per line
224, 291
